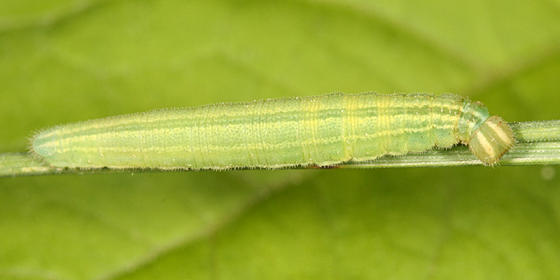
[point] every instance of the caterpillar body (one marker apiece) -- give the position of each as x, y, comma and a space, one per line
276, 133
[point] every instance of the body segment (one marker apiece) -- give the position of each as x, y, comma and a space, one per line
321, 130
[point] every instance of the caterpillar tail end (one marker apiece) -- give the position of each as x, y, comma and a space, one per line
41, 148
491, 140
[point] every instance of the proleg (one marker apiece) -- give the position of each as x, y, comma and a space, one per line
277, 133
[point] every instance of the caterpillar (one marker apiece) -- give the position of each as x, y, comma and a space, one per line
278, 133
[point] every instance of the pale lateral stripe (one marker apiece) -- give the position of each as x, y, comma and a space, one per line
500, 132
485, 144
477, 114
188, 114
138, 133
260, 146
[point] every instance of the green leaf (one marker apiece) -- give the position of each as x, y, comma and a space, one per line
64, 61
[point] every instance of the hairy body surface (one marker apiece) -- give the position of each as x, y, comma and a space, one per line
276, 133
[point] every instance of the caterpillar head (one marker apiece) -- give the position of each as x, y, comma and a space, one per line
491, 140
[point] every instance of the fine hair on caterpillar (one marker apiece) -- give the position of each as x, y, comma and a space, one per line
276, 133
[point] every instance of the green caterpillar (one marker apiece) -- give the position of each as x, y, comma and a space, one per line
276, 133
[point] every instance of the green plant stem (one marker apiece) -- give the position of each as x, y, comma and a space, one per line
538, 143
537, 131
20, 164
541, 153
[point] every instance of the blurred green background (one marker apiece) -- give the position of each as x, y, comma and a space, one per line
71, 60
